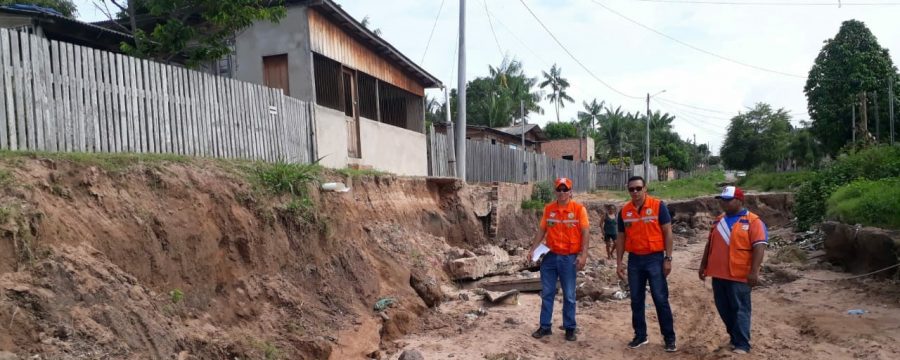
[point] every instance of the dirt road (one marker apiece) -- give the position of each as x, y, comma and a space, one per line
802, 319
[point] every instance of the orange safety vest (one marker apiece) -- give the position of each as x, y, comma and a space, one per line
643, 234
563, 225
740, 250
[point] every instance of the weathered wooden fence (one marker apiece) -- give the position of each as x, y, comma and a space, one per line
486, 162
61, 97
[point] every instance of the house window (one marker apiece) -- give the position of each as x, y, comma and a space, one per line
328, 82
399, 106
368, 96
569, 157
275, 72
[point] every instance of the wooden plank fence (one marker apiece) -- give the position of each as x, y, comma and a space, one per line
486, 162
63, 97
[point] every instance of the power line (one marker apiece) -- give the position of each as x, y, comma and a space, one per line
694, 107
769, 3
427, 44
695, 112
692, 120
710, 53
508, 30
591, 73
488, 13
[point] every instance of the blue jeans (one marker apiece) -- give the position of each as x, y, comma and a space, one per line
733, 302
641, 269
560, 267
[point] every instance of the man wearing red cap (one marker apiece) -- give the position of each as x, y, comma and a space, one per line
734, 252
566, 228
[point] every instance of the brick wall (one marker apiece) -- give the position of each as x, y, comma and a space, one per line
556, 149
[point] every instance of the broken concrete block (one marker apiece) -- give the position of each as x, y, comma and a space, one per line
426, 287
489, 260
510, 297
411, 354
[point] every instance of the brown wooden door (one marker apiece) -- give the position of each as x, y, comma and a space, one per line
275, 72
351, 109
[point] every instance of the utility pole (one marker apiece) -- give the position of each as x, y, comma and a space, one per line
647, 145
891, 96
461, 130
522, 114
853, 116
877, 119
451, 157
524, 150
864, 116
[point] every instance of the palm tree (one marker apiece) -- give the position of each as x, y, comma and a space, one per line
558, 86
590, 115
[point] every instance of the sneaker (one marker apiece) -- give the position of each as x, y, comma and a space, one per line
637, 342
570, 335
739, 351
541, 332
670, 347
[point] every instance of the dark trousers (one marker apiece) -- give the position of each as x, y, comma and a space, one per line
733, 303
558, 267
643, 269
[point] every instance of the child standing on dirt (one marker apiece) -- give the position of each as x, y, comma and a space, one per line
610, 229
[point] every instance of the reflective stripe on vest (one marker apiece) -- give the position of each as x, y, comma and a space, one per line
740, 251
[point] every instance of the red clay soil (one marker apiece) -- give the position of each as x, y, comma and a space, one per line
188, 261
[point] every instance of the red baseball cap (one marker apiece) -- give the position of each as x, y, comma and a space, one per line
563, 181
731, 192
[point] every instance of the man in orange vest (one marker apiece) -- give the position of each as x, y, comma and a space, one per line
734, 252
645, 232
566, 228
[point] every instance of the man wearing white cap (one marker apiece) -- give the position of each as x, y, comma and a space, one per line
734, 252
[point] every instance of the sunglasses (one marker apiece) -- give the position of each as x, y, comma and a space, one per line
563, 190
635, 189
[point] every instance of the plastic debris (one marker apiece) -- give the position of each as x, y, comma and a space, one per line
384, 303
856, 312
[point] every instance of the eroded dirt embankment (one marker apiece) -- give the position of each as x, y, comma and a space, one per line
188, 260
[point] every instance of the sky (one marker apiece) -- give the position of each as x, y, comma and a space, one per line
712, 60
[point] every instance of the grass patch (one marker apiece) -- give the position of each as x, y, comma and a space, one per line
107, 161
868, 202
875, 163
698, 185
284, 178
768, 181
358, 173
176, 296
533, 205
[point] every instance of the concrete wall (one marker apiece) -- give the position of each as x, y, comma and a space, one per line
383, 147
579, 149
331, 137
289, 36
393, 149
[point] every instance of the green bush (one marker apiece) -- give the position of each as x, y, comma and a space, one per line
284, 178
867, 202
542, 192
770, 181
874, 163
540, 196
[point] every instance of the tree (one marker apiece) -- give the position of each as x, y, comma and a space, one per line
558, 85
592, 112
65, 7
759, 136
849, 64
495, 100
560, 130
200, 31
365, 23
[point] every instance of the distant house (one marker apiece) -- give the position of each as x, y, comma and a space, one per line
576, 149
369, 96
511, 136
52, 25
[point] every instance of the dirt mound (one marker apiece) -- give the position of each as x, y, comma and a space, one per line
161, 260
862, 249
